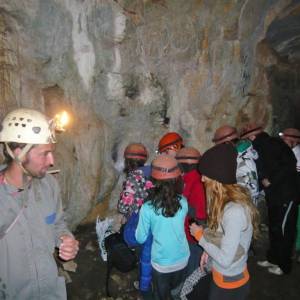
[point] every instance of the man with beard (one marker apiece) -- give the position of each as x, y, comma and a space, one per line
31, 216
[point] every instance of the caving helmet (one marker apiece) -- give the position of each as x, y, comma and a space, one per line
170, 141
165, 167
188, 155
136, 151
27, 126
251, 129
225, 134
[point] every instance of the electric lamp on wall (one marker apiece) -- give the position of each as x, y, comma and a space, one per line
60, 121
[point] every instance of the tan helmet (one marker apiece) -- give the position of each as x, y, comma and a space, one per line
250, 129
292, 134
224, 134
188, 155
165, 167
27, 126
136, 151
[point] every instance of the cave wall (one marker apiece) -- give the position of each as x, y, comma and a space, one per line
285, 94
129, 71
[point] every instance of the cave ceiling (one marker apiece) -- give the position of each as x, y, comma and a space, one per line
283, 34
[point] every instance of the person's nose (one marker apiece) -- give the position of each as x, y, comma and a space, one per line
50, 159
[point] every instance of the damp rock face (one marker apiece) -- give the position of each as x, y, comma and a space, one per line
131, 70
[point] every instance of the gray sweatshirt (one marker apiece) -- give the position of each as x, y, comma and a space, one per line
237, 230
28, 270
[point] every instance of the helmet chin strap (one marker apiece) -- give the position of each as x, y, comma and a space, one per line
18, 158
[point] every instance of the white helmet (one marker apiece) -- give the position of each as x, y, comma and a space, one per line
27, 126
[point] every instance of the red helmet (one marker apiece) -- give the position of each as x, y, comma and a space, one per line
171, 140
188, 155
165, 167
224, 134
136, 151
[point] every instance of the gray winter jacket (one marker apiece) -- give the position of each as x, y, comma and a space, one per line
237, 232
28, 270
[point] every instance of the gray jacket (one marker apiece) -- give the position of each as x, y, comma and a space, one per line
28, 270
237, 232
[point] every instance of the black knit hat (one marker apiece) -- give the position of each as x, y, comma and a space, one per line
219, 163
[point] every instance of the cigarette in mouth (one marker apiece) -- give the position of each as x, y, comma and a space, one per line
54, 171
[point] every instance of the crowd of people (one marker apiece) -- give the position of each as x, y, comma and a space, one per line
201, 210
186, 212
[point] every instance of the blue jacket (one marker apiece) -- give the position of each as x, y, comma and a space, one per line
145, 255
170, 246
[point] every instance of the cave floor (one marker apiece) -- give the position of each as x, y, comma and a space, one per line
88, 282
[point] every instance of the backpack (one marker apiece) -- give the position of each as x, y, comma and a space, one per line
119, 255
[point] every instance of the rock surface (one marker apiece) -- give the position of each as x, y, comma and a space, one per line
131, 70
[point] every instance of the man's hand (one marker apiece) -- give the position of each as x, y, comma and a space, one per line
265, 182
68, 248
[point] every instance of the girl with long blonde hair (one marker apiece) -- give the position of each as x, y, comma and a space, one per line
233, 218
219, 195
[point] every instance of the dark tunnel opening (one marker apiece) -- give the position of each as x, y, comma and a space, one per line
283, 37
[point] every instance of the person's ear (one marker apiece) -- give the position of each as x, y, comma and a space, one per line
17, 152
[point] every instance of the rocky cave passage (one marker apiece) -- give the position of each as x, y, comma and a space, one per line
133, 70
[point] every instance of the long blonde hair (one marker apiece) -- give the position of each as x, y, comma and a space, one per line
218, 195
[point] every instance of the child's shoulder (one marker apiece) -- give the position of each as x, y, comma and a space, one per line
136, 174
192, 176
183, 201
147, 205
146, 169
